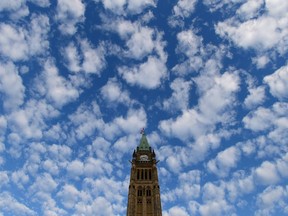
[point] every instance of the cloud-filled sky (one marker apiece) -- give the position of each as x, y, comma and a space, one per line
207, 79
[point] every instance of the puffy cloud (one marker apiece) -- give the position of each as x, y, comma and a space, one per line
136, 7
278, 83
263, 119
263, 33
20, 43
140, 41
188, 187
256, 97
29, 122
224, 4
261, 61
147, 75
57, 89
179, 99
267, 174
184, 8
93, 59
176, 211
13, 97
112, 92
4, 179
75, 168
127, 6
13, 42
86, 120
9, 205
69, 196
69, 13
218, 96
224, 161
85, 58
272, 199
72, 57
135, 120
250, 9
191, 46
20, 178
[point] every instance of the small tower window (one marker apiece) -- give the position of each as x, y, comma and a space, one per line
139, 192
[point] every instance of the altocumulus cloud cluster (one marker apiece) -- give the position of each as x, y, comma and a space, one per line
80, 78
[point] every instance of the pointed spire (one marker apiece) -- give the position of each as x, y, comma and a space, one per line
144, 145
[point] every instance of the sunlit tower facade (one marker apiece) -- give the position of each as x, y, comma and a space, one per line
144, 191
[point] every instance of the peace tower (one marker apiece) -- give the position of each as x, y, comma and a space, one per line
144, 191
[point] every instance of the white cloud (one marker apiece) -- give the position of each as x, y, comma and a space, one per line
20, 178
100, 147
4, 179
218, 96
140, 40
86, 58
41, 3
184, 8
224, 161
267, 174
136, 7
13, 42
75, 168
96, 167
191, 46
250, 9
263, 33
16, 9
261, 61
9, 205
93, 59
13, 97
58, 90
113, 93
69, 196
256, 97
149, 74
19, 43
141, 43
222, 5
69, 13
29, 122
263, 119
72, 57
133, 122
214, 201
176, 211
278, 83
122, 7
240, 184
114, 5
188, 187
271, 199
179, 99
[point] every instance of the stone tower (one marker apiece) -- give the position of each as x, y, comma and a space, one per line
144, 191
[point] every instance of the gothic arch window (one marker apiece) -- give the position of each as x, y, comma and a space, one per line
139, 192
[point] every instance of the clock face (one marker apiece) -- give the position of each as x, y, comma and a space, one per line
144, 158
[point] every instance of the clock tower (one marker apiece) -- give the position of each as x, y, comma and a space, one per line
144, 191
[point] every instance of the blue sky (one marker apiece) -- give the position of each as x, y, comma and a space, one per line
80, 79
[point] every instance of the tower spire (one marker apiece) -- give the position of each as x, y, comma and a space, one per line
144, 191
143, 145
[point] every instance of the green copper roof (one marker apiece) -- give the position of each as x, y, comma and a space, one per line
144, 145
